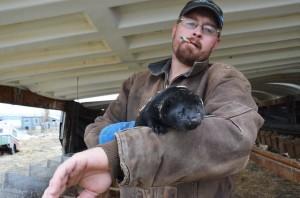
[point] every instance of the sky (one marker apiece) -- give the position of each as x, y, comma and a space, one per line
99, 98
17, 110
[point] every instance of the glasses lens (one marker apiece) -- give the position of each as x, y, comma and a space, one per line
206, 29
189, 24
209, 30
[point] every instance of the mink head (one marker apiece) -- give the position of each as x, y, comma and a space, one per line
183, 111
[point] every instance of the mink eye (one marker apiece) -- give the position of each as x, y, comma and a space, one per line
181, 112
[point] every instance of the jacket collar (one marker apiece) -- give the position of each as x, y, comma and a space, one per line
163, 67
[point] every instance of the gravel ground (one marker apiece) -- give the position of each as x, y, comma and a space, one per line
253, 182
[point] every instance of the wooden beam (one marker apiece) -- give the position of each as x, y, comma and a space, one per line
283, 167
17, 96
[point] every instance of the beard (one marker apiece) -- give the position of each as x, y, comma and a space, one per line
186, 54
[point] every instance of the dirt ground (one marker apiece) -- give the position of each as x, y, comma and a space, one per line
253, 182
35, 147
257, 182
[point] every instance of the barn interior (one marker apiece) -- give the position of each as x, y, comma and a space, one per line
54, 53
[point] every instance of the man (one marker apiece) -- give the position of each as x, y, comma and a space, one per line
198, 163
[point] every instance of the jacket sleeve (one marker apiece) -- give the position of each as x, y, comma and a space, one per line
219, 147
116, 112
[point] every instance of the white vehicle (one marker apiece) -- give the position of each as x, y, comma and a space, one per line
8, 138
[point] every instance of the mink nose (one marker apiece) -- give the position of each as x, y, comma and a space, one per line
195, 120
197, 117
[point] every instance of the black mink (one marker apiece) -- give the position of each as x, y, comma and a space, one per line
175, 107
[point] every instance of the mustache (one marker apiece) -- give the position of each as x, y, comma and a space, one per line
193, 41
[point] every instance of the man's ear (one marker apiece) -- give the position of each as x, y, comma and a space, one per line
216, 45
174, 29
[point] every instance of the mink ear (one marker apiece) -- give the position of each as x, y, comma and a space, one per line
161, 111
159, 107
164, 107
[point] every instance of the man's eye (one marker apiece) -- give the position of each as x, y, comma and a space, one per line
191, 24
209, 29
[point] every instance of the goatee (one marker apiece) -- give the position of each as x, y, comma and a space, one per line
186, 55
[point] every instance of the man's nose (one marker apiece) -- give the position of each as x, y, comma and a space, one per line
197, 32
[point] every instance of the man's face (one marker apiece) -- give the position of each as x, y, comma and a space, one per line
201, 45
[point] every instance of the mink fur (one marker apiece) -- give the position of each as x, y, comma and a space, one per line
175, 107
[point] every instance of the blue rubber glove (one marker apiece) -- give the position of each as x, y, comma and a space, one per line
107, 134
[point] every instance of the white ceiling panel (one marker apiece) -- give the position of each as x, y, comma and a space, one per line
70, 49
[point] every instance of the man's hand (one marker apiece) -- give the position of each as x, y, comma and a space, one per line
89, 169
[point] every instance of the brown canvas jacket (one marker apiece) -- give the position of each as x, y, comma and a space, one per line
194, 164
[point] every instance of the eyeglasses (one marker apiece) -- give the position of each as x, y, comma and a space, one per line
206, 29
